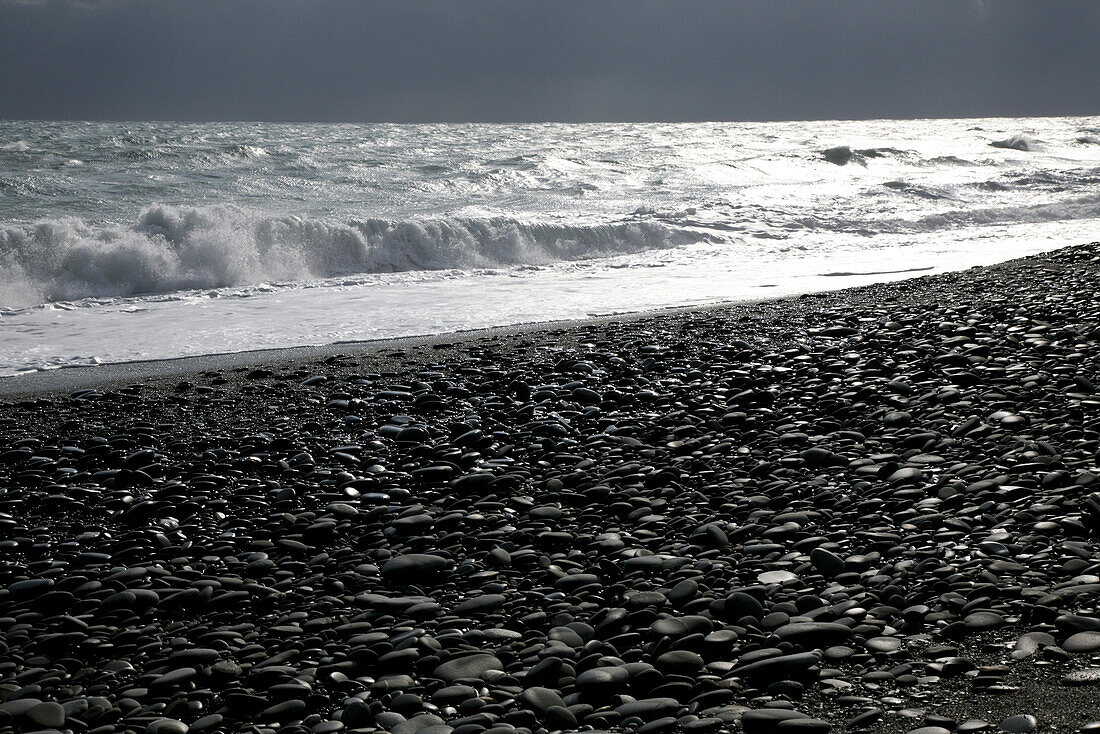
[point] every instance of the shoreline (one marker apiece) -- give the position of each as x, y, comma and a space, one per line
83, 377
117, 373
870, 510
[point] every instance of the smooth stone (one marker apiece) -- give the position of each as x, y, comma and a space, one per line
467, 667
206, 722
807, 726
679, 661
778, 668
819, 457
419, 723
166, 726
174, 678
816, 634
540, 698
602, 679
1030, 643
648, 708
658, 725
1082, 642
827, 562
48, 714
19, 706
677, 627
981, 621
907, 475
1076, 623
739, 604
883, 644
479, 604
775, 577
562, 717
195, 655
864, 719
766, 721
646, 599
453, 695
1019, 724
414, 567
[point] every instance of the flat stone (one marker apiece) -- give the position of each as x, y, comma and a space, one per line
414, 567
981, 621
1082, 642
775, 577
778, 668
1084, 677
766, 721
467, 667
677, 627
813, 634
166, 726
806, 726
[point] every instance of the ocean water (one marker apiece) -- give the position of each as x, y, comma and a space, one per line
130, 241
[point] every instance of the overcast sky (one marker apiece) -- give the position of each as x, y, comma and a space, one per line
570, 60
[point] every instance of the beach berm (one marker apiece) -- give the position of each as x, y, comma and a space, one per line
873, 510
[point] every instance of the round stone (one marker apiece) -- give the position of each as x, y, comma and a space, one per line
166, 726
1020, 724
599, 680
677, 627
467, 667
1082, 642
47, 714
813, 634
981, 621
679, 661
414, 567
766, 721
883, 644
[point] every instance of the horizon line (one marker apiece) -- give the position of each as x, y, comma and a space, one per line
533, 122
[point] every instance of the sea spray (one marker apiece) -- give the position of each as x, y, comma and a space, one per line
172, 249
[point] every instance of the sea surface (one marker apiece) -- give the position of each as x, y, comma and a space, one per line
134, 241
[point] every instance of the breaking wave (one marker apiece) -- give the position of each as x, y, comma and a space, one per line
171, 249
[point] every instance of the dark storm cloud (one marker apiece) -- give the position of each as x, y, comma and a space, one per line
508, 60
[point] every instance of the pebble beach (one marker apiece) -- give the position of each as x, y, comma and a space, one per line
871, 510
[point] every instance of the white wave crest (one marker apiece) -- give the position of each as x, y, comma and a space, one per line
247, 151
1017, 142
19, 146
171, 249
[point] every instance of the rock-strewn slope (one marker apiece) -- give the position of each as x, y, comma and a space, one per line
873, 510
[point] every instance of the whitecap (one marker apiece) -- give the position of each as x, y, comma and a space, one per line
207, 248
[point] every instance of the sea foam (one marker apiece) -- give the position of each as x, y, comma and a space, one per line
181, 248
